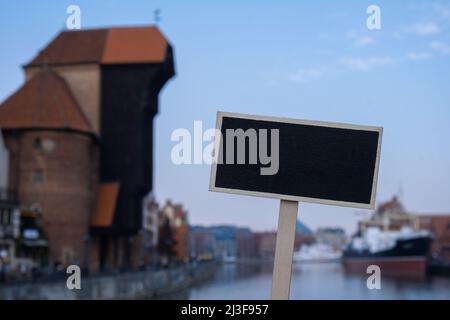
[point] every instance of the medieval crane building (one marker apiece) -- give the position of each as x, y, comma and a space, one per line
79, 140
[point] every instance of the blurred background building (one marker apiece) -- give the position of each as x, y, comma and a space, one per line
230, 243
439, 226
174, 216
334, 237
78, 136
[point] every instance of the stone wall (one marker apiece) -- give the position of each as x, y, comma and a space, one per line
132, 285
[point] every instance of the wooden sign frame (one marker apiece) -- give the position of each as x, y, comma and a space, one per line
221, 115
284, 250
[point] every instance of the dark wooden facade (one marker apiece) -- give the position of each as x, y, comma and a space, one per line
129, 102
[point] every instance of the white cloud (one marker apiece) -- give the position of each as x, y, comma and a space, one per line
442, 10
416, 56
360, 40
363, 41
440, 47
426, 29
366, 64
303, 75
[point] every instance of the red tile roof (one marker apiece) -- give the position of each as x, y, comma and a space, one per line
104, 46
44, 102
105, 205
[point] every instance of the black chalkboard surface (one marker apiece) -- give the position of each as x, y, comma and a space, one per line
312, 161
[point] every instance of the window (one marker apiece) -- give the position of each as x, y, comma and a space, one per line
37, 144
38, 176
44, 145
4, 251
36, 207
5, 216
67, 255
8, 220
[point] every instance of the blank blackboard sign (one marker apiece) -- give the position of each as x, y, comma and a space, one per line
320, 162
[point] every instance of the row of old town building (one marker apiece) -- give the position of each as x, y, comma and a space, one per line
166, 239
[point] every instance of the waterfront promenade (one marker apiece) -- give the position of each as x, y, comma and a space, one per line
127, 285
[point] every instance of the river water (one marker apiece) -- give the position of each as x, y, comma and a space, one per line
313, 281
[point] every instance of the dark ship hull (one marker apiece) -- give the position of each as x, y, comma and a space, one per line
407, 258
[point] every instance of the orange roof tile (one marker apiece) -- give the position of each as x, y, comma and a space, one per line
105, 205
134, 45
73, 47
104, 46
44, 102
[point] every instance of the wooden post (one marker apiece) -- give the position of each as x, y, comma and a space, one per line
284, 250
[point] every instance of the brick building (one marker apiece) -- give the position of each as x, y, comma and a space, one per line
265, 244
439, 226
79, 134
178, 218
246, 245
150, 229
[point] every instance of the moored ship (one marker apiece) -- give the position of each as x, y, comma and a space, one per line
391, 240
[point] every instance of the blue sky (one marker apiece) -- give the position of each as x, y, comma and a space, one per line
309, 60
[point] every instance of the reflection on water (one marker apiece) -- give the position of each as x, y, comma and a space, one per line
312, 281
